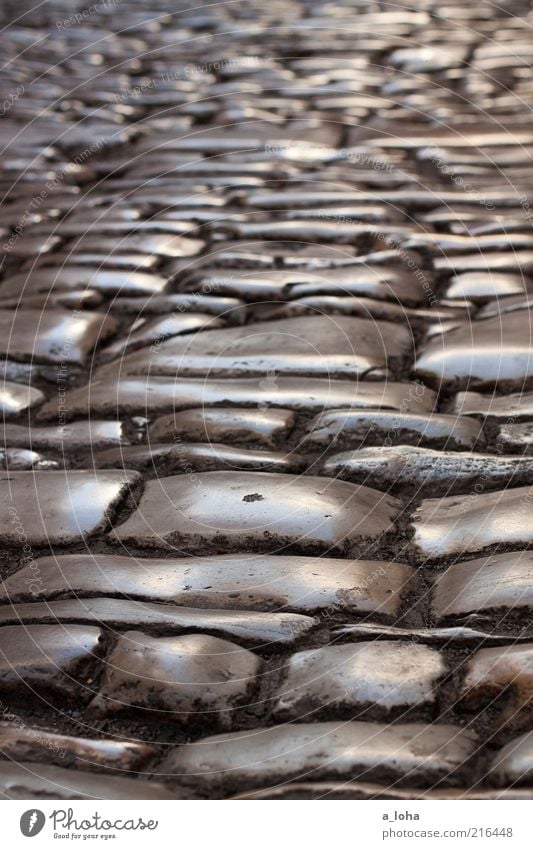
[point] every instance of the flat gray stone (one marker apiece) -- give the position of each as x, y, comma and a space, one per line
368, 308
70, 276
351, 750
187, 679
52, 336
248, 626
485, 352
515, 406
319, 345
59, 507
514, 763
159, 244
42, 659
486, 583
15, 398
381, 674
384, 282
242, 510
89, 435
37, 745
467, 524
420, 468
39, 781
516, 437
152, 395
512, 261
235, 582
153, 332
187, 457
231, 309
481, 285
342, 427
224, 424
501, 670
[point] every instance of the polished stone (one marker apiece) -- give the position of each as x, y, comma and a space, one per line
40, 659
154, 395
71, 277
188, 457
469, 523
480, 285
27, 780
59, 507
486, 352
319, 345
391, 283
234, 582
423, 468
52, 336
186, 679
513, 764
484, 584
21, 459
249, 626
15, 398
153, 332
224, 511
82, 435
344, 427
224, 424
326, 750
38, 745
382, 674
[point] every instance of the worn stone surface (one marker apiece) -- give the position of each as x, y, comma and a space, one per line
86, 435
514, 406
191, 457
42, 659
486, 583
514, 763
516, 437
27, 780
37, 745
59, 507
383, 674
296, 249
425, 468
247, 581
52, 336
236, 510
478, 285
249, 626
224, 424
503, 671
15, 398
342, 427
487, 352
157, 395
186, 679
469, 523
317, 345
321, 750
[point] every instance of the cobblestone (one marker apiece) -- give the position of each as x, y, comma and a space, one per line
267, 398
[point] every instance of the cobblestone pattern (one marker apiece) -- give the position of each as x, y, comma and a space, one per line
267, 400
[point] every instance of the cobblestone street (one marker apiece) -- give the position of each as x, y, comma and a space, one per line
267, 395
